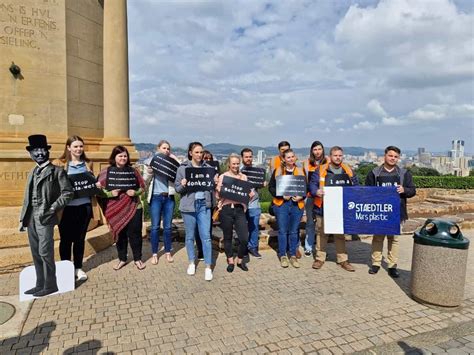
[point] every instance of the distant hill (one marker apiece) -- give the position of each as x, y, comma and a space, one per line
227, 148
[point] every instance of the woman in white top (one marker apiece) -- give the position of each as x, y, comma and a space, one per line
232, 216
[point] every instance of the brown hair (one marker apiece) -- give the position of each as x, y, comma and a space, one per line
116, 151
335, 148
312, 158
163, 141
191, 146
66, 156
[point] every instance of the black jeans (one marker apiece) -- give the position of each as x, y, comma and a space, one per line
133, 233
231, 218
72, 231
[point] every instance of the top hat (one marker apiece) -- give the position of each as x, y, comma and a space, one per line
37, 141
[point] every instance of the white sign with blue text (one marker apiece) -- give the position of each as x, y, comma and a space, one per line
361, 210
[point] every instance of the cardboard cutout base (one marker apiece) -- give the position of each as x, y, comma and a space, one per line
64, 277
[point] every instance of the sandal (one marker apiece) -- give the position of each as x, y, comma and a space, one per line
120, 265
154, 259
169, 257
139, 264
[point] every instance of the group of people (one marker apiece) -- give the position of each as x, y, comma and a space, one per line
321, 170
49, 195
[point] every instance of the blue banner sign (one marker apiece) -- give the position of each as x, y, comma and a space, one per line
362, 210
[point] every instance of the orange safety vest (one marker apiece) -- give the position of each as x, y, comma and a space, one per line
323, 171
275, 162
308, 167
279, 200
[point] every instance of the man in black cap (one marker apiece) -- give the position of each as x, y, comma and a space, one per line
47, 192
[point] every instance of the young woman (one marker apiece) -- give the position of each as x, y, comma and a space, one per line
232, 215
288, 210
315, 159
160, 197
195, 208
78, 212
124, 210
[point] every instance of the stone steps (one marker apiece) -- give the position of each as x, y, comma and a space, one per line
14, 259
13, 238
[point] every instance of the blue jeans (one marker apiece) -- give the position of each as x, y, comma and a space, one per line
288, 218
161, 207
253, 222
202, 218
310, 225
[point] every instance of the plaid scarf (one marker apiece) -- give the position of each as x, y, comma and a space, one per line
121, 209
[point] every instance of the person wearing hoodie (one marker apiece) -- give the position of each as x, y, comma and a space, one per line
390, 174
195, 207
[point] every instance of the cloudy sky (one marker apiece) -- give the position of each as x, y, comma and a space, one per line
353, 73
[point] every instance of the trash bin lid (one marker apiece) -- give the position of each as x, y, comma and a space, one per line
441, 233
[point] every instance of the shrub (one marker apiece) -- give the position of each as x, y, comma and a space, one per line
444, 182
265, 206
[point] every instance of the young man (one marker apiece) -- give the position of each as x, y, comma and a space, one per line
47, 192
277, 159
333, 173
254, 211
390, 174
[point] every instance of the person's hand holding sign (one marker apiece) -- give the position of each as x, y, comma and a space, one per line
320, 193
400, 189
297, 198
286, 198
131, 193
115, 193
252, 193
184, 182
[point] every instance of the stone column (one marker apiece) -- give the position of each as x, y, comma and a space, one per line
116, 99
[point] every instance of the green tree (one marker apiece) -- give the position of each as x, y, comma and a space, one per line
363, 170
420, 171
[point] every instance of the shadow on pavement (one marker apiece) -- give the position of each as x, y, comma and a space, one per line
408, 350
35, 341
91, 346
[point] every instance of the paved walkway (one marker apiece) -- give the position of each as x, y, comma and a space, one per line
268, 309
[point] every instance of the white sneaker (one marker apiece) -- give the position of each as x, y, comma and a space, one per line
191, 269
208, 274
81, 275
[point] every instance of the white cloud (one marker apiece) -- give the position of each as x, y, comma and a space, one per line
376, 108
206, 66
408, 43
264, 123
365, 125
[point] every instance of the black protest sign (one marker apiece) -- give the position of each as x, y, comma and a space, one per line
291, 185
388, 181
337, 180
121, 179
165, 166
83, 184
235, 189
214, 164
199, 179
256, 176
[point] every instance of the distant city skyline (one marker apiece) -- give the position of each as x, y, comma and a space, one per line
351, 73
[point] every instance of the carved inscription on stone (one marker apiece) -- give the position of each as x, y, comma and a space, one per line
13, 175
25, 25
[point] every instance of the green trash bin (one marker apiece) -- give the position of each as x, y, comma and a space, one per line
438, 272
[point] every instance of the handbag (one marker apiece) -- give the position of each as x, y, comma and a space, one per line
215, 214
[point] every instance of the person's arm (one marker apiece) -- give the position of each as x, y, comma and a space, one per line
272, 185
67, 193
219, 185
354, 179
180, 175
314, 183
409, 189
370, 179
